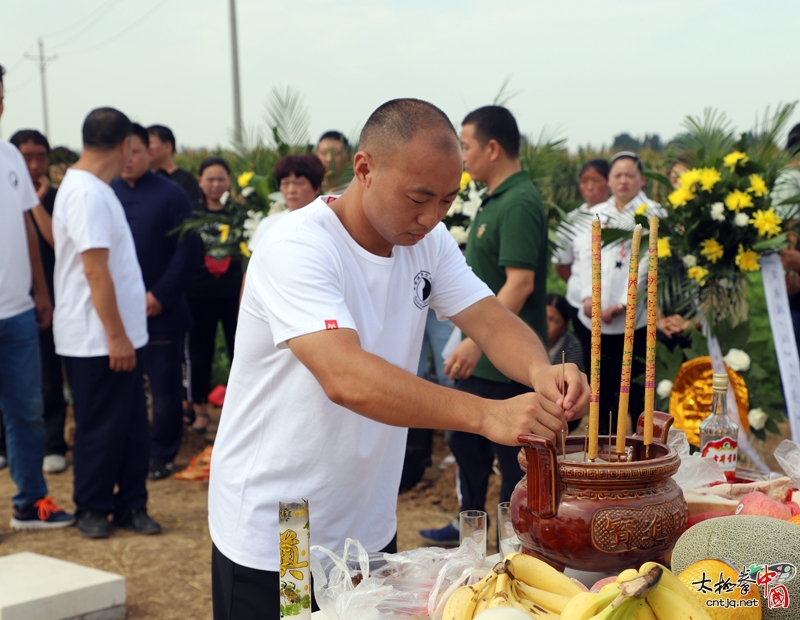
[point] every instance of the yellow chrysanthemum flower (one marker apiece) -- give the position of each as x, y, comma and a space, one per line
664, 251
642, 209
689, 178
244, 249
734, 159
712, 250
465, 179
747, 260
698, 273
681, 196
709, 178
245, 178
737, 200
224, 231
767, 223
757, 186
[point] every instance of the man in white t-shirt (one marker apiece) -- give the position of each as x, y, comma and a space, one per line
329, 336
21, 317
100, 327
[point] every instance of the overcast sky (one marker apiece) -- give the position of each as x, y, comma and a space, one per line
585, 69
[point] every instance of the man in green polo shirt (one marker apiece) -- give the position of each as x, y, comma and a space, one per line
507, 249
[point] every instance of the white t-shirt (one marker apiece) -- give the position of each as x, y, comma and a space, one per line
616, 261
17, 195
280, 438
88, 215
263, 226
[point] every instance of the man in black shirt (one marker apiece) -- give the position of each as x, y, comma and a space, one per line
35, 150
154, 208
161, 151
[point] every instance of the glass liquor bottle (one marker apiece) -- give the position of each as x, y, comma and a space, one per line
718, 433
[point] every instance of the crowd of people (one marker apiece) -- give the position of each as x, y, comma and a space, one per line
350, 301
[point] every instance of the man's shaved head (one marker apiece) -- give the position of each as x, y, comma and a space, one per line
396, 122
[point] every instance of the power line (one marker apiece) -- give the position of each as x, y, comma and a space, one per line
102, 9
120, 34
105, 8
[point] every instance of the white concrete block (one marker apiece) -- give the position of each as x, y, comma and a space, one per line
38, 587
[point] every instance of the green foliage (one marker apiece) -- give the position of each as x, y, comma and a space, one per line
221, 366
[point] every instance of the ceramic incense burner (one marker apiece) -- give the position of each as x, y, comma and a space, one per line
604, 516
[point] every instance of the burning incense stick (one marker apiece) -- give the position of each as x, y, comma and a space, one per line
650, 362
610, 425
563, 402
594, 402
627, 353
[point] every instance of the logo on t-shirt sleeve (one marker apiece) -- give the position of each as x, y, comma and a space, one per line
331, 324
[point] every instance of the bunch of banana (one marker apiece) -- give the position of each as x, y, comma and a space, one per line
519, 581
651, 593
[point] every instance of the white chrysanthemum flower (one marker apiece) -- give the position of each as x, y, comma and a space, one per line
689, 261
471, 207
251, 223
664, 388
741, 219
724, 283
460, 234
737, 360
718, 212
223, 200
757, 418
456, 207
248, 191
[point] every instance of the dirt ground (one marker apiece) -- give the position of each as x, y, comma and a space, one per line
169, 576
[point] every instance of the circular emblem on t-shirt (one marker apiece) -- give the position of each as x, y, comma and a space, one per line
13, 179
422, 289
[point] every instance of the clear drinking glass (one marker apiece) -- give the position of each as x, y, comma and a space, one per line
507, 541
472, 524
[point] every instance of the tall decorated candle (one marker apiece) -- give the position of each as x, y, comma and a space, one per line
594, 402
650, 360
627, 352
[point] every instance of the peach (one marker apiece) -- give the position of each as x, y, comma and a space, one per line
599, 584
758, 504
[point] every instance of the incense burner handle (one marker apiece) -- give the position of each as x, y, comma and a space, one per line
662, 422
544, 480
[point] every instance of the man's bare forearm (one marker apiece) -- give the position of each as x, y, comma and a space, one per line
39, 284
104, 296
45, 224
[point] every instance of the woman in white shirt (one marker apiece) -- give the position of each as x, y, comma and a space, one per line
626, 181
574, 252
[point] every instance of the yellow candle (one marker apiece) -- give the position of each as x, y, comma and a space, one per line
627, 352
650, 362
594, 402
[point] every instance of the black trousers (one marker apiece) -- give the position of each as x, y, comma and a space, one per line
163, 357
475, 454
611, 347
55, 407
112, 439
206, 315
242, 593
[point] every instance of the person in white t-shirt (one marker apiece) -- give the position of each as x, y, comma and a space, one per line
322, 387
100, 327
21, 317
626, 181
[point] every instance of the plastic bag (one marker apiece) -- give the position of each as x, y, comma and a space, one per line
788, 456
410, 584
694, 472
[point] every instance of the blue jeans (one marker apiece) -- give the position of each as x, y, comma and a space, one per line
22, 405
437, 333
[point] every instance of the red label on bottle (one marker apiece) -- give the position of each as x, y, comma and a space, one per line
724, 451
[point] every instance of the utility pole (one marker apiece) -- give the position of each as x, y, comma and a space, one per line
43, 60
237, 105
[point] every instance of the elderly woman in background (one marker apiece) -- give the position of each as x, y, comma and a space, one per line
300, 180
626, 181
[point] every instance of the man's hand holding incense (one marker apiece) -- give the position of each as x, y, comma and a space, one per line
548, 383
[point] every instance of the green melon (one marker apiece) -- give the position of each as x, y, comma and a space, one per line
745, 540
